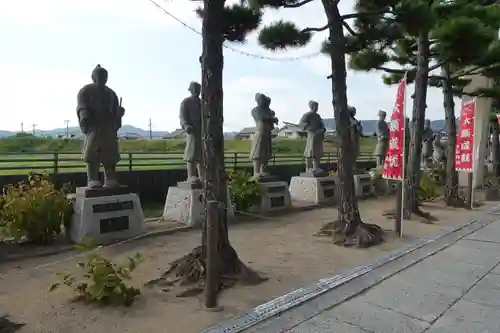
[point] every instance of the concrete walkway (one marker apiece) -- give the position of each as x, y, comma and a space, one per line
450, 285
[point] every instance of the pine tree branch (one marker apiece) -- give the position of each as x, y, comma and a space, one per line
348, 28
298, 4
323, 28
391, 70
363, 14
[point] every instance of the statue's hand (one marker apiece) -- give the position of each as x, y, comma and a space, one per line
121, 111
189, 129
275, 120
84, 126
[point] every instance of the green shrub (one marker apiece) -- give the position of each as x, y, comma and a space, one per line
244, 192
428, 189
103, 281
34, 211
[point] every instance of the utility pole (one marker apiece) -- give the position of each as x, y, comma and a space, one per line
150, 129
67, 128
34, 129
22, 127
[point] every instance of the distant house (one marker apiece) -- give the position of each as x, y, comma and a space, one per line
177, 134
130, 136
291, 131
248, 132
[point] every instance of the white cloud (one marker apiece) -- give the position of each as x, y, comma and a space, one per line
61, 13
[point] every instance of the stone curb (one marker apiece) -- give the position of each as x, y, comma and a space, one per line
46, 252
389, 264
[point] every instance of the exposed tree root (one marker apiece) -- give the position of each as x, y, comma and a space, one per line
455, 201
361, 235
426, 217
7, 326
189, 272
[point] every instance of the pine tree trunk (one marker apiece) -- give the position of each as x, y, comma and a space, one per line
191, 268
349, 227
495, 148
418, 120
212, 61
451, 196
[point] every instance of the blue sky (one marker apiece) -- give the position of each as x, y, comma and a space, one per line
50, 47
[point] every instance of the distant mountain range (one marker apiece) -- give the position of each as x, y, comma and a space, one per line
126, 130
369, 127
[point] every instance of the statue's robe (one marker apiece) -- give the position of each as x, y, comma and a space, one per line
190, 115
261, 149
99, 116
313, 124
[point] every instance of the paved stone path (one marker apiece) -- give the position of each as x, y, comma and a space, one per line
457, 289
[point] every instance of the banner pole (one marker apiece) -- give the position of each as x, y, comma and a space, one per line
403, 163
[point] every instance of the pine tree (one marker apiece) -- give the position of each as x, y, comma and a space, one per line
348, 229
220, 23
451, 35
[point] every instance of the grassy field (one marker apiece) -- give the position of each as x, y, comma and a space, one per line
19, 155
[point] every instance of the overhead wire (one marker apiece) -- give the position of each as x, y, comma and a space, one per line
225, 45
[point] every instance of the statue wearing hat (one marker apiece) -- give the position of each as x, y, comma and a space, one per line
261, 150
190, 119
100, 115
356, 130
382, 139
312, 122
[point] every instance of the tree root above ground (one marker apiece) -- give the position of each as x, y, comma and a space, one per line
362, 235
188, 273
7, 326
425, 216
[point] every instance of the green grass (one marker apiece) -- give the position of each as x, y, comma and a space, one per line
141, 154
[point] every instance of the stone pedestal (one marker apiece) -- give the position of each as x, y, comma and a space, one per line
275, 196
363, 185
314, 190
106, 215
385, 186
482, 194
184, 204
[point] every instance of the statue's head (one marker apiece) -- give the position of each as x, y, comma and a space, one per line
313, 106
99, 76
194, 89
382, 114
351, 110
427, 123
260, 99
267, 101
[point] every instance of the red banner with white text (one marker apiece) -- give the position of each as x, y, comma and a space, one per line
394, 161
464, 155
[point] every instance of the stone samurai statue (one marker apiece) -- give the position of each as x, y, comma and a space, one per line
313, 124
261, 150
190, 119
356, 131
100, 117
427, 143
382, 139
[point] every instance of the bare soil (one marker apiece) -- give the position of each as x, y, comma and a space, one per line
282, 248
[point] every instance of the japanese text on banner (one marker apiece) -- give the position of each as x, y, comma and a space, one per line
393, 164
464, 155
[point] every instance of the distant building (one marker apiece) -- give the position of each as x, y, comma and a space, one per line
177, 134
129, 136
248, 132
292, 131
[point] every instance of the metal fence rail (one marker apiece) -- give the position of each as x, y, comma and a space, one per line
19, 163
